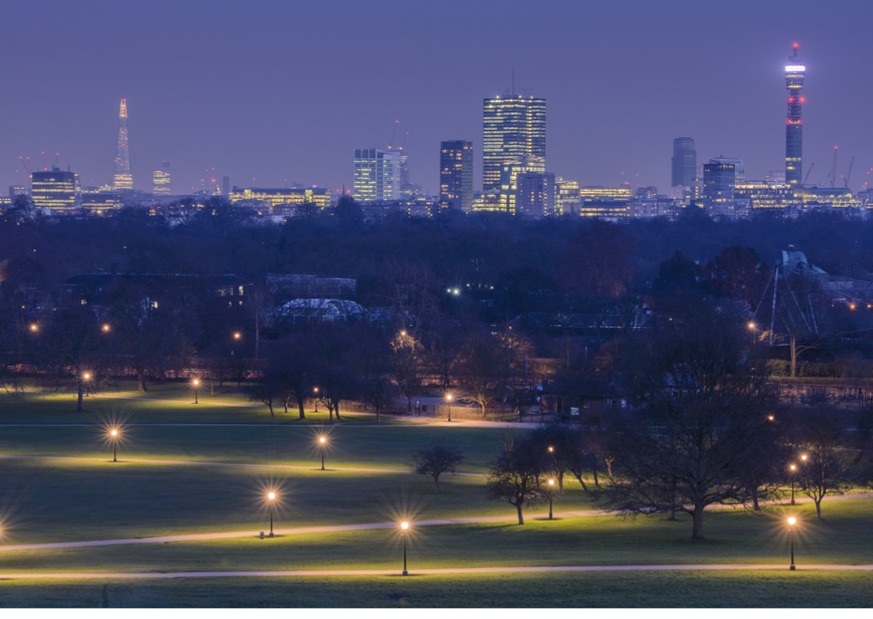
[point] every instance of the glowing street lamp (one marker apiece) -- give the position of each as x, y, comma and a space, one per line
791, 522
106, 327
84, 377
404, 530
793, 468
271, 498
315, 391
449, 398
195, 383
322, 443
114, 435
551, 495
33, 327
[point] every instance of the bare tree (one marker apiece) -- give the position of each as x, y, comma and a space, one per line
436, 460
515, 476
701, 421
825, 470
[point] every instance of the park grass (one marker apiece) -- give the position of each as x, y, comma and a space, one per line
174, 480
734, 537
163, 403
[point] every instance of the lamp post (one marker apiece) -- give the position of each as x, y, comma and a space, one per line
551, 495
404, 529
113, 436
195, 383
793, 468
791, 522
322, 442
84, 377
271, 497
449, 400
315, 391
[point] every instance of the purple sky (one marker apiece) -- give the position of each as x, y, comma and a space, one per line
284, 91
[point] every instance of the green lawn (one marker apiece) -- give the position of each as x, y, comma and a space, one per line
181, 479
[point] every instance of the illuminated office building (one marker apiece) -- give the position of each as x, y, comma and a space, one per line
377, 175
508, 189
275, 199
535, 195
122, 180
719, 184
684, 162
794, 75
589, 194
55, 190
760, 195
514, 126
162, 184
566, 196
456, 175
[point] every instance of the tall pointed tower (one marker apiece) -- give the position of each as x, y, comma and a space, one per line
122, 179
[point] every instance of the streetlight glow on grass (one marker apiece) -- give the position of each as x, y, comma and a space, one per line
322, 443
114, 435
195, 385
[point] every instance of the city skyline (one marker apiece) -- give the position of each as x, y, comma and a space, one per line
238, 100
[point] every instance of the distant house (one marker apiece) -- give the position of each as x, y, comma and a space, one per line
159, 288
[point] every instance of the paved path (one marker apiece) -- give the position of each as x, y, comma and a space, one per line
195, 537
423, 572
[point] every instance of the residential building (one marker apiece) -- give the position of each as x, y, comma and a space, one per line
456, 175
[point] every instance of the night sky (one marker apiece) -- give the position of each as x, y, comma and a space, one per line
276, 92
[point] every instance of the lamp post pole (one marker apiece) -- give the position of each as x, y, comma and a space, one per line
449, 400
404, 527
322, 441
114, 435
793, 468
791, 522
551, 496
272, 498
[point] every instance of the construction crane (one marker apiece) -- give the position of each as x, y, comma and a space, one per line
848, 174
833, 173
393, 135
808, 170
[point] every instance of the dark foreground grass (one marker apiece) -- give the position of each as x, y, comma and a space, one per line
735, 589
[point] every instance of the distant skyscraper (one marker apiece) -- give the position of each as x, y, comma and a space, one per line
55, 190
377, 174
719, 184
456, 175
225, 186
513, 126
684, 162
794, 74
162, 181
122, 179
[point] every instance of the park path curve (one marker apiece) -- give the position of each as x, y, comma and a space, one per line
422, 572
